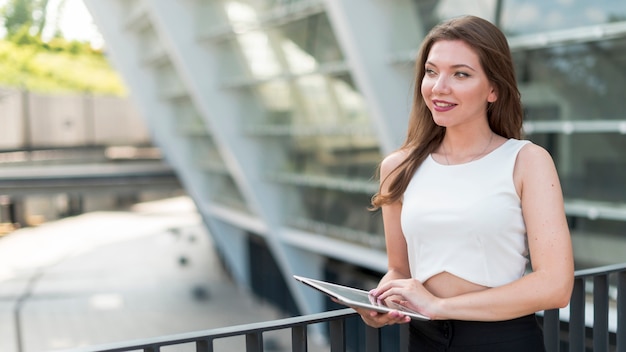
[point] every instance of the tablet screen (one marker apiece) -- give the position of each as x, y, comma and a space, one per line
355, 297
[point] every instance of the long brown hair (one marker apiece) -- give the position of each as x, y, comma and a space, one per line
504, 115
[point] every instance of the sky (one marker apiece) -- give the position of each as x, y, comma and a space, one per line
73, 19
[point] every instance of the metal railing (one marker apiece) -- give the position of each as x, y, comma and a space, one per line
577, 330
574, 333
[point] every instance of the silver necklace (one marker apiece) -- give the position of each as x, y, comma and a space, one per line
445, 153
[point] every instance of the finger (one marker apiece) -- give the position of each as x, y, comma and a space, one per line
388, 286
394, 291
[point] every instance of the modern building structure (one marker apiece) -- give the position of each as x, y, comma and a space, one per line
275, 114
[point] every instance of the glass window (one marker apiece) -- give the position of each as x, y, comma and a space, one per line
309, 42
525, 17
592, 166
226, 192
574, 82
342, 215
519, 17
431, 12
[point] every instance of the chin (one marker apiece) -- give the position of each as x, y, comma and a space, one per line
440, 122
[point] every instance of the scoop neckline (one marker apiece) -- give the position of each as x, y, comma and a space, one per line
430, 156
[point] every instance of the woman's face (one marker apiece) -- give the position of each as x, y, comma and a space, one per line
455, 87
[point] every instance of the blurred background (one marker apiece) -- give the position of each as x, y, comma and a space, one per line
263, 121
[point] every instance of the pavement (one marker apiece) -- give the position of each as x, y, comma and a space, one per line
107, 277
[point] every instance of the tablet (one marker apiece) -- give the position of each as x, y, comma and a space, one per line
356, 297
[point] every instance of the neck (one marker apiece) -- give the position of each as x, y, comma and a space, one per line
458, 153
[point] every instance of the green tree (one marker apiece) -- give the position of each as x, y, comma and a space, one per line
20, 14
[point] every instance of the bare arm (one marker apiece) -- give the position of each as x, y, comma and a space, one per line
549, 284
397, 259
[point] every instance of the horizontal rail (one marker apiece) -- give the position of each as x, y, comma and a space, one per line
577, 338
204, 339
106, 176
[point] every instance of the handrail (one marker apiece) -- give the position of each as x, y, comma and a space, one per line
576, 328
253, 333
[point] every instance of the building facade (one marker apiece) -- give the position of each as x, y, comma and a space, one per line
276, 113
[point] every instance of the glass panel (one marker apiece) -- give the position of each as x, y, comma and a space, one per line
431, 12
525, 17
255, 45
574, 82
225, 191
351, 105
209, 16
268, 5
277, 97
168, 81
309, 42
313, 100
319, 102
232, 61
344, 214
191, 122
341, 156
591, 166
300, 46
205, 152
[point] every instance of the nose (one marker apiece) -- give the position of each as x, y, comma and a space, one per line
440, 85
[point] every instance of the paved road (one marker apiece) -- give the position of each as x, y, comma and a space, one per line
114, 276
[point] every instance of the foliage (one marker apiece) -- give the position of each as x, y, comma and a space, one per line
57, 66
25, 14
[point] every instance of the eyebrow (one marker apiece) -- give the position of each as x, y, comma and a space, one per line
456, 66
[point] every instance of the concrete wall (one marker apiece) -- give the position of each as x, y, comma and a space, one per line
65, 120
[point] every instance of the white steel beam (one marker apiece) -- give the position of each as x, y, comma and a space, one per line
368, 32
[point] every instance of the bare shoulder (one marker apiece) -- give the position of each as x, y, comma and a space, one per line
392, 161
533, 155
534, 166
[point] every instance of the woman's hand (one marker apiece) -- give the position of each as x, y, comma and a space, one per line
409, 293
378, 320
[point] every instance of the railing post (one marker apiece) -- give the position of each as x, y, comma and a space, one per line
577, 317
204, 346
337, 335
551, 329
621, 311
404, 337
600, 313
299, 338
254, 342
372, 339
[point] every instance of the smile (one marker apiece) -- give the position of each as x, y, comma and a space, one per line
442, 104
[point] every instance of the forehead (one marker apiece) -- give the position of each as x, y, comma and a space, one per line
453, 52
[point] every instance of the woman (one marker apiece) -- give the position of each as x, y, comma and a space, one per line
465, 202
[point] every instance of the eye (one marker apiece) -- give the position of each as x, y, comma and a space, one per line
430, 72
461, 74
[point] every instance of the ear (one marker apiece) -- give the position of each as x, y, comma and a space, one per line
493, 96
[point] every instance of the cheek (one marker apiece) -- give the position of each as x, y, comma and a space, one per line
426, 88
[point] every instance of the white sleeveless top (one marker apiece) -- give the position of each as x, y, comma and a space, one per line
466, 219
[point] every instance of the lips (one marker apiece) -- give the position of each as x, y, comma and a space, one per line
441, 106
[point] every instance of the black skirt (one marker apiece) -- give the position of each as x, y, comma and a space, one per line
522, 334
